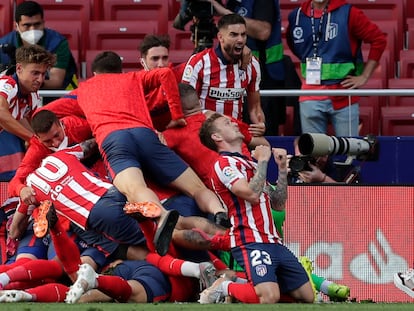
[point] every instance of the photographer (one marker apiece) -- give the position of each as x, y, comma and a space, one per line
305, 169
203, 30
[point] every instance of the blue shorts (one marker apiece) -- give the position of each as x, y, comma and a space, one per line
184, 204
94, 245
141, 148
271, 263
41, 248
107, 217
156, 284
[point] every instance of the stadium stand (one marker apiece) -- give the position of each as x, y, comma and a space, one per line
368, 124
143, 10
180, 39
397, 121
70, 11
382, 70
374, 103
407, 64
410, 35
97, 25
6, 16
401, 83
385, 10
393, 47
409, 11
71, 33
108, 35
129, 58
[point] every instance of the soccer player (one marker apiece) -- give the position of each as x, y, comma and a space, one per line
122, 129
18, 99
51, 134
405, 281
186, 142
255, 243
218, 78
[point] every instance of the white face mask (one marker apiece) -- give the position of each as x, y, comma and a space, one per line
31, 36
63, 145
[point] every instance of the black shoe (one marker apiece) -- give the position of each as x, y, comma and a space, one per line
52, 217
163, 235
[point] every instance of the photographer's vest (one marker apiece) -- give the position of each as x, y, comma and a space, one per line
271, 54
334, 45
50, 41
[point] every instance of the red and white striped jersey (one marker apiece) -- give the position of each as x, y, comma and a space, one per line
250, 222
20, 106
219, 84
68, 184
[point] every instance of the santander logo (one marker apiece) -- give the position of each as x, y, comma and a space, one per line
374, 266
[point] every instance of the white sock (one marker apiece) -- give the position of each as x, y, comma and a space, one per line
4, 279
240, 280
190, 269
324, 286
225, 287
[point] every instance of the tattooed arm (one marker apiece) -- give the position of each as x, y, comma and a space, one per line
251, 190
278, 193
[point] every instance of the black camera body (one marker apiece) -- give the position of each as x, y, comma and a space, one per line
199, 9
204, 29
301, 163
10, 51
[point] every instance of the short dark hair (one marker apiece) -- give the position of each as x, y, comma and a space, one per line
230, 19
107, 62
151, 41
189, 97
43, 120
34, 54
207, 129
27, 8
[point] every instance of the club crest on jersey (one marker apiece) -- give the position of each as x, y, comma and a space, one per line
188, 72
229, 172
225, 93
261, 270
6, 87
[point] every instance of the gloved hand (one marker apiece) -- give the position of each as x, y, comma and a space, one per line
222, 219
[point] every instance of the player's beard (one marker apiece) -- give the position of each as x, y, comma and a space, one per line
230, 52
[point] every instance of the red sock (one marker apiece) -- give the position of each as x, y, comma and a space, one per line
18, 262
217, 262
167, 264
148, 228
182, 288
36, 270
243, 292
66, 249
115, 287
22, 285
52, 292
286, 298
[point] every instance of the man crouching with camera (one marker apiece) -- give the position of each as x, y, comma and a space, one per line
309, 169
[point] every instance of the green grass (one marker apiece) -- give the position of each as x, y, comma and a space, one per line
198, 307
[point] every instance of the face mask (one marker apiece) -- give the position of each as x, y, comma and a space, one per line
31, 36
63, 145
144, 64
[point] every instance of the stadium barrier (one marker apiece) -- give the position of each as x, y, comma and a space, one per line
355, 235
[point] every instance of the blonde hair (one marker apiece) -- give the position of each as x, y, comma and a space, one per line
34, 54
